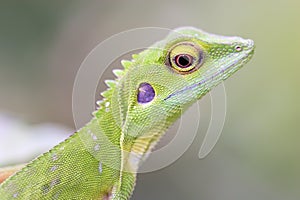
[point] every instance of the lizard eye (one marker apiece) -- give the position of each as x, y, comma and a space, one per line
185, 57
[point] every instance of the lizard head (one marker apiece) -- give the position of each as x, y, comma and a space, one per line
204, 60
166, 78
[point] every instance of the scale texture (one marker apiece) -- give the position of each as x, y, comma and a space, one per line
101, 159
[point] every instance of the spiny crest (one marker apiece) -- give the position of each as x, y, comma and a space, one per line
111, 84
126, 64
107, 93
118, 73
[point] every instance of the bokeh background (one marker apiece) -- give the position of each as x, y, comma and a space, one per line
42, 44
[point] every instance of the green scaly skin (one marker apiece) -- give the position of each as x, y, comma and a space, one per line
101, 159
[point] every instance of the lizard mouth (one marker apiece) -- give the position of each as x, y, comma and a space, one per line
233, 67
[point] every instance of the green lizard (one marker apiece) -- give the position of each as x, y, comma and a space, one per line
100, 161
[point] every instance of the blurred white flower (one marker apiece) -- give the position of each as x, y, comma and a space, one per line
20, 142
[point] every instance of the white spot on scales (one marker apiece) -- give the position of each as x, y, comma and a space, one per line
100, 167
52, 169
54, 157
94, 137
54, 182
107, 106
97, 147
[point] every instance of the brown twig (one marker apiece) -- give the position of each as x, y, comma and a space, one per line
8, 171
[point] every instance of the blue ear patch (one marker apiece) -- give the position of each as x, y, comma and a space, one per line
145, 93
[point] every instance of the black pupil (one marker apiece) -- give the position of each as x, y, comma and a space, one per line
183, 60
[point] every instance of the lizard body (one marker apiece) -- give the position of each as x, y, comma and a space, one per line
100, 160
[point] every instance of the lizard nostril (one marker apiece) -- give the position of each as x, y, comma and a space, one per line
238, 48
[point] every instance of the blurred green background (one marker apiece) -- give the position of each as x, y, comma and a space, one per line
42, 44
